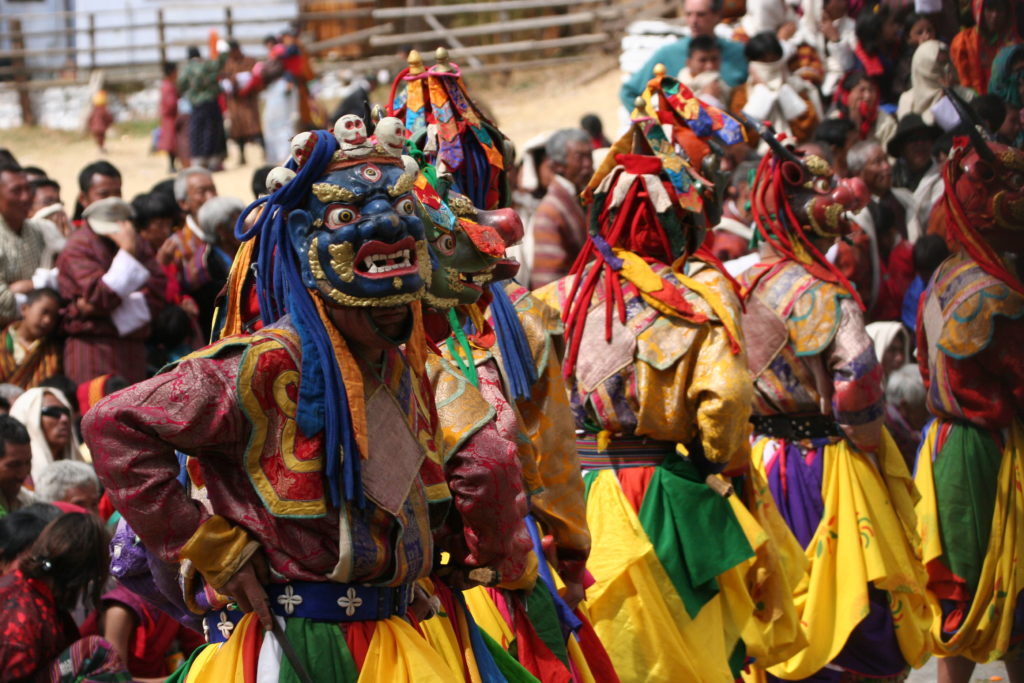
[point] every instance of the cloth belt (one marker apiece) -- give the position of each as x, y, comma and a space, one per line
622, 452
319, 601
795, 427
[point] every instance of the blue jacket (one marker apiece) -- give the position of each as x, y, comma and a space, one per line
673, 56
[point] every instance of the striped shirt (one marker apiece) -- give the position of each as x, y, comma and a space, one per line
20, 255
559, 230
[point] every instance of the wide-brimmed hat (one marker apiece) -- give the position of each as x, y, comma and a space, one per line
910, 126
105, 216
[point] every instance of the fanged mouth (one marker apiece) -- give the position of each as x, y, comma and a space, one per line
477, 280
378, 259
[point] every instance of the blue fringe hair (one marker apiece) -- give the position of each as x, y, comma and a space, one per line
323, 402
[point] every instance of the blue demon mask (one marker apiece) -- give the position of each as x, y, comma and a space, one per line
358, 236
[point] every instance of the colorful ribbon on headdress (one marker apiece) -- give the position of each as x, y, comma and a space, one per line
782, 230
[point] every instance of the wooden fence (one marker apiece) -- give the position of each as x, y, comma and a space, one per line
364, 35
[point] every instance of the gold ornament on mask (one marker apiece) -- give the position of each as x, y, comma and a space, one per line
327, 193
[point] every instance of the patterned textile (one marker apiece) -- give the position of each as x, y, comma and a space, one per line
32, 630
39, 361
660, 376
20, 255
559, 230
547, 421
809, 350
969, 325
666, 379
967, 322
482, 472
812, 359
231, 407
93, 345
91, 659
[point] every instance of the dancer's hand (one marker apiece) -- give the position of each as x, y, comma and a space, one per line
573, 594
246, 588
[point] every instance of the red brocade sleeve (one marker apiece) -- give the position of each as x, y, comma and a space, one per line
133, 435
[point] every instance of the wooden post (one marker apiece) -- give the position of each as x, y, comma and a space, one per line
92, 40
21, 73
229, 24
160, 37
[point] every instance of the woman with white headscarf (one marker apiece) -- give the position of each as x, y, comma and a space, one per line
892, 346
47, 416
930, 72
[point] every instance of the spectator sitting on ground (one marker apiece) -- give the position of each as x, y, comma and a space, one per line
49, 211
559, 226
878, 261
701, 73
68, 564
1007, 82
733, 232
932, 186
930, 72
912, 149
879, 45
826, 27
15, 466
974, 49
837, 136
701, 18
857, 101
29, 348
114, 287
46, 414
906, 412
20, 529
22, 243
69, 481
773, 94
99, 180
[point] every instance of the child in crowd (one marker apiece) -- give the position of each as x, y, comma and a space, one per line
29, 349
100, 120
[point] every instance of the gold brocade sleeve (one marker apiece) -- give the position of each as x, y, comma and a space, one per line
218, 549
722, 392
548, 422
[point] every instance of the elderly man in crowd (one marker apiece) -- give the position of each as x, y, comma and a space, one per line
186, 252
217, 221
879, 262
559, 226
22, 242
701, 18
69, 481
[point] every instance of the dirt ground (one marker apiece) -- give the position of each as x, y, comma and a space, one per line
524, 105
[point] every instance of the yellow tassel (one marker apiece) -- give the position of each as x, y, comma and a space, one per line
604, 437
